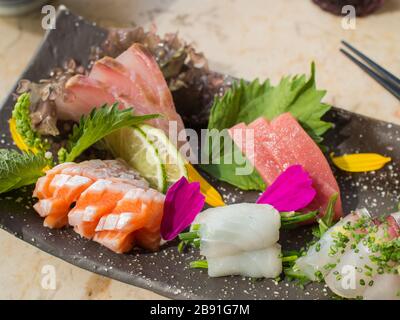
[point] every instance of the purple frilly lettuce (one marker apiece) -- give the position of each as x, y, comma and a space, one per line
182, 204
291, 191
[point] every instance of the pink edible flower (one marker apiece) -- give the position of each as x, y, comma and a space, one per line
291, 191
182, 204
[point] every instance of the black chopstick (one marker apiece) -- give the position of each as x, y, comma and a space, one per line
390, 83
372, 63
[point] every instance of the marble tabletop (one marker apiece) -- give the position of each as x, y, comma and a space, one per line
257, 38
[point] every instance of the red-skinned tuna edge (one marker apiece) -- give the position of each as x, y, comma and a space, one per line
282, 143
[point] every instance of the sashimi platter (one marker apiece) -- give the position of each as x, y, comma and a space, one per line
124, 154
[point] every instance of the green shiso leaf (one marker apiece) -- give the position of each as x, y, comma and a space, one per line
20, 169
95, 126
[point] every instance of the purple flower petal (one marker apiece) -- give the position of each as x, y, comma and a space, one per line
182, 204
291, 191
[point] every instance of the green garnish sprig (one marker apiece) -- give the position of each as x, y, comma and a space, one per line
191, 238
23, 124
95, 126
327, 220
199, 264
293, 219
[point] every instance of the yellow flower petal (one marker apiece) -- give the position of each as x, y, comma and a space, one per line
213, 198
19, 141
360, 162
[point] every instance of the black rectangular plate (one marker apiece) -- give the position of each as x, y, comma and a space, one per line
166, 272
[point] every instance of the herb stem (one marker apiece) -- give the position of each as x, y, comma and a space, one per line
289, 258
199, 264
189, 236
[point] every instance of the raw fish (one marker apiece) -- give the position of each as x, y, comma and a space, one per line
356, 269
229, 230
282, 143
265, 263
320, 256
132, 80
385, 287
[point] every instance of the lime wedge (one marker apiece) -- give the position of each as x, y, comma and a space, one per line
174, 162
132, 145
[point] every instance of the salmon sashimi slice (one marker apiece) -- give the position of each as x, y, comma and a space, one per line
82, 94
110, 202
66, 190
116, 170
97, 200
119, 242
62, 186
41, 190
137, 214
149, 236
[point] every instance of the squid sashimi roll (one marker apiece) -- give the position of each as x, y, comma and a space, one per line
357, 267
327, 251
260, 263
229, 230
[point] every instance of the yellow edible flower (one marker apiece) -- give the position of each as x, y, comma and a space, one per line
360, 162
213, 198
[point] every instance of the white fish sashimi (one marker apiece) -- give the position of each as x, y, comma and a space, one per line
230, 230
319, 255
260, 263
385, 287
356, 270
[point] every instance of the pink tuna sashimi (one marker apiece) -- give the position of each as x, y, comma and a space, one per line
252, 141
82, 94
282, 143
307, 153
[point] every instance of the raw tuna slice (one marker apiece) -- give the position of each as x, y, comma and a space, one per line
306, 152
252, 144
282, 143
